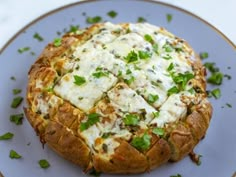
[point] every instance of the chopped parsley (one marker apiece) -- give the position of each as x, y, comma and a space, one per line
168, 48
178, 175
216, 93
156, 114
141, 143
92, 119
112, 14
23, 49
92, 20
17, 118
211, 67
167, 57
13, 78
43, 163
73, 28
158, 131
79, 80
57, 42
173, 90
14, 155
169, 17
128, 71
182, 79
100, 74
152, 98
227, 76
6, 136
16, 91
148, 38
141, 20
170, 67
130, 80
38, 37
131, 57
215, 78
16, 101
229, 105
144, 54
203, 55
131, 119
155, 48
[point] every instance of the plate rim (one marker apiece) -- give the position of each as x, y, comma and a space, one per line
44, 15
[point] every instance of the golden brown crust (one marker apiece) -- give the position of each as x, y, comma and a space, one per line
60, 128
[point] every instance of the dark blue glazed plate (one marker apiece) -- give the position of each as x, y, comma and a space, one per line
218, 149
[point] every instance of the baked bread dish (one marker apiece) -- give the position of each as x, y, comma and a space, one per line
119, 98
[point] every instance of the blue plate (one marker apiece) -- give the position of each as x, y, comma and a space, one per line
218, 149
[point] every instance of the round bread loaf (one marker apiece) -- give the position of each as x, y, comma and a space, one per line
119, 98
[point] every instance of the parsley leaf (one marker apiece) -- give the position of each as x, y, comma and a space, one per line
148, 38
16, 101
79, 80
112, 14
92, 20
170, 67
216, 93
169, 17
141, 143
131, 57
215, 78
211, 67
16, 91
43, 163
38, 37
229, 105
144, 54
158, 131
131, 119
17, 118
173, 90
23, 49
152, 98
141, 20
92, 119
14, 155
155, 114
100, 74
6, 136
182, 79
203, 55
178, 175
57, 42
130, 80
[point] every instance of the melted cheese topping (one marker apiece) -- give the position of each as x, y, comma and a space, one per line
147, 80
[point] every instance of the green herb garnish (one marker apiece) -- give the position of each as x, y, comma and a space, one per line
168, 48
152, 98
131, 57
130, 80
229, 105
142, 143
92, 119
156, 114
112, 14
57, 42
141, 20
6, 136
13, 78
158, 131
211, 67
100, 74
216, 93
182, 79
167, 57
169, 17
14, 155
38, 37
170, 67
23, 49
16, 91
173, 90
131, 119
148, 38
92, 20
43, 163
215, 78
16, 101
203, 55
79, 80
178, 175
144, 54
17, 118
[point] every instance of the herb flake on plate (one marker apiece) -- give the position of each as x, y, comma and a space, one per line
112, 14
14, 155
23, 49
17, 118
92, 20
169, 17
38, 37
16, 101
6, 136
43, 163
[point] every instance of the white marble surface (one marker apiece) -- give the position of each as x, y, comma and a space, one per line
15, 14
